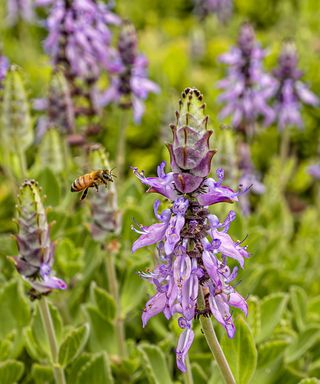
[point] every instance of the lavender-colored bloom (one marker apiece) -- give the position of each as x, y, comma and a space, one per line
247, 88
79, 37
290, 92
193, 245
4, 66
19, 9
222, 8
129, 85
36, 250
314, 171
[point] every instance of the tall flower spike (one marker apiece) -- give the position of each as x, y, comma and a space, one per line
129, 85
58, 105
247, 88
79, 37
36, 250
4, 66
106, 216
193, 245
19, 9
291, 93
222, 8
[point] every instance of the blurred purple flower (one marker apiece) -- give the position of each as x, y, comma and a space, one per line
222, 8
4, 66
129, 85
19, 9
314, 171
290, 92
79, 36
193, 245
247, 88
36, 250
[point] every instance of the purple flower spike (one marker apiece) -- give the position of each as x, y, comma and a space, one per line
314, 171
247, 88
222, 8
290, 92
35, 247
19, 9
193, 245
129, 85
4, 66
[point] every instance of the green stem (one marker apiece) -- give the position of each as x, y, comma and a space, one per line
121, 149
284, 145
114, 290
49, 328
213, 343
188, 379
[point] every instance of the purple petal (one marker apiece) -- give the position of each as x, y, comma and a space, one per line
154, 306
152, 235
184, 344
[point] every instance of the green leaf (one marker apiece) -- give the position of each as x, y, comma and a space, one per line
42, 374
102, 335
10, 371
309, 380
104, 301
73, 344
269, 351
302, 344
155, 364
198, 374
97, 370
241, 352
133, 289
216, 377
15, 314
298, 300
272, 308
50, 185
38, 332
254, 318
76, 365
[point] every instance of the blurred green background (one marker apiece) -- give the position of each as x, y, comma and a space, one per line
281, 279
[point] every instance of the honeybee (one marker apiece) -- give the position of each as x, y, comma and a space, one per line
91, 180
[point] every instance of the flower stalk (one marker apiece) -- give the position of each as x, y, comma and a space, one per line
49, 329
214, 345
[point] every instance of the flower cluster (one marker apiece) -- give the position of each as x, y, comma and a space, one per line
79, 37
129, 85
19, 9
247, 87
290, 92
222, 8
193, 245
36, 250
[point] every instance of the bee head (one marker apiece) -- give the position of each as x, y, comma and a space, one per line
107, 175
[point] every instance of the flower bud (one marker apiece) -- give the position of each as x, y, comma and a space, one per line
35, 247
190, 153
104, 203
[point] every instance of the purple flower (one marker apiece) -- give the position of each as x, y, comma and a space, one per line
129, 85
290, 92
79, 37
193, 245
314, 171
247, 88
222, 8
19, 9
36, 250
4, 66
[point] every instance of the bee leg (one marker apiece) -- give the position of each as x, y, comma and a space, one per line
96, 186
84, 194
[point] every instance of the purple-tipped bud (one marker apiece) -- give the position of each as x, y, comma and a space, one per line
35, 247
190, 153
106, 216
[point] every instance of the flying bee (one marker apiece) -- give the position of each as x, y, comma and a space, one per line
91, 180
